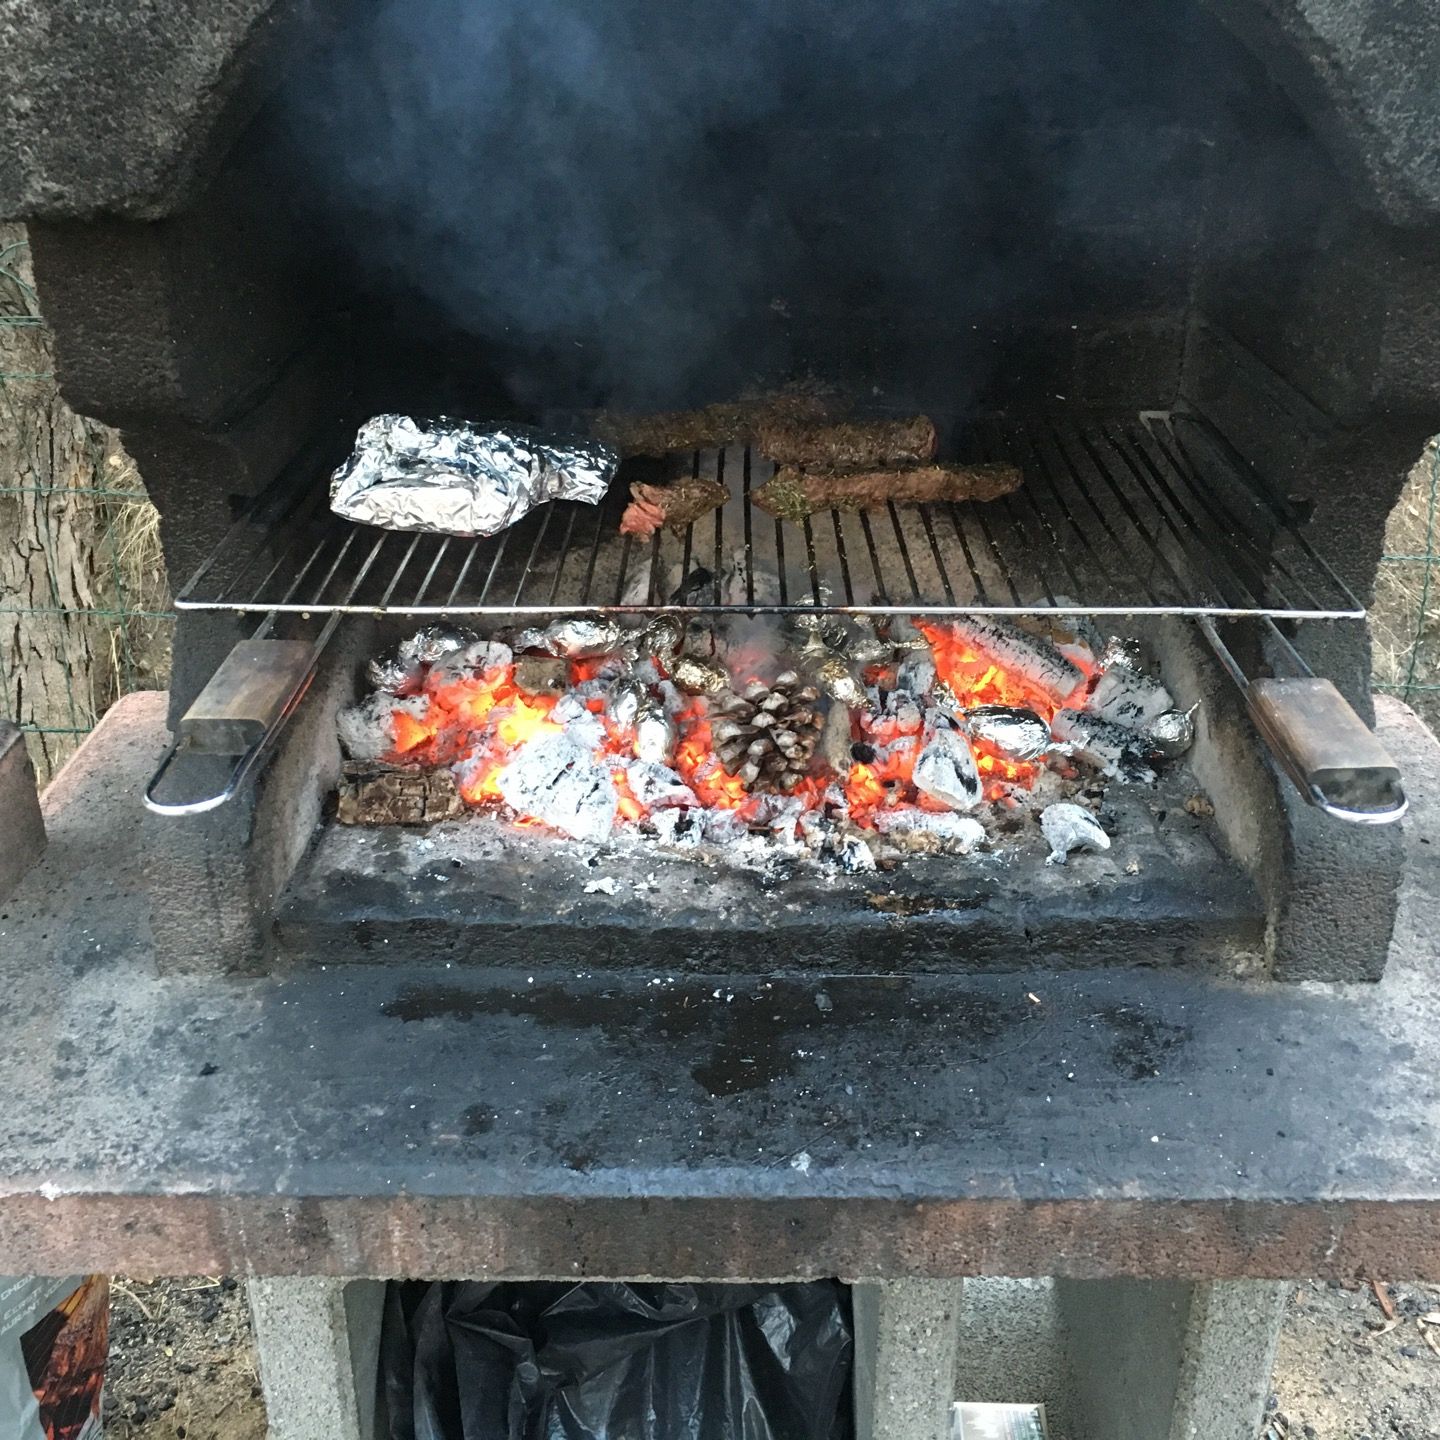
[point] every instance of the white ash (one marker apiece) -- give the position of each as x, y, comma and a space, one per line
946, 771
1067, 826
608, 886
690, 829
367, 728
1127, 697
586, 731
658, 787
954, 834
475, 661
916, 674
556, 781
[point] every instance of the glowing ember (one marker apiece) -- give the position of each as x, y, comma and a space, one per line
479, 723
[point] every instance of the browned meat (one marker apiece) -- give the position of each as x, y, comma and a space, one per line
793, 494
677, 505
852, 445
732, 422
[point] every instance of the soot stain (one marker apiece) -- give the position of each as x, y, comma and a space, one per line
478, 1119
750, 1040
1141, 1042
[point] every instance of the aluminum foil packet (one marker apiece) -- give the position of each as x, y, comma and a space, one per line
453, 477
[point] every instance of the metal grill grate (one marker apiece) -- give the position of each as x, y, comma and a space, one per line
1146, 515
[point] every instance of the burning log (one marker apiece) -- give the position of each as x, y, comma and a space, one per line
1070, 827
677, 505
792, 494
1123, 692
849, 445
373, 794
1111, 749
1034, 661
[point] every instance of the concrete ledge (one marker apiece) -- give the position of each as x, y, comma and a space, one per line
394, 1120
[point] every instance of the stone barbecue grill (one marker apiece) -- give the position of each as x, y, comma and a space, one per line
1179, 267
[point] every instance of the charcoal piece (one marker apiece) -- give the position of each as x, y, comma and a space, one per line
677, 505
1123, 693
390, 795
848, 445
541, 674
1066, 827
1110, 748
946, 771
1027, 656
699, 587
367, 728
792, 494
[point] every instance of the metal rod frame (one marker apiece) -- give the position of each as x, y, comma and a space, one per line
1153, 514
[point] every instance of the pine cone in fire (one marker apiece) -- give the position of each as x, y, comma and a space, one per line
766, 734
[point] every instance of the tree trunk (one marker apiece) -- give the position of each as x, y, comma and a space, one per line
58, 557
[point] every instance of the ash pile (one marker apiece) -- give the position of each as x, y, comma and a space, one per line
848, 741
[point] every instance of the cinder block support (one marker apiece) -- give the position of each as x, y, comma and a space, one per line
22, 830
906, 1333
318, 1345
1161, 1360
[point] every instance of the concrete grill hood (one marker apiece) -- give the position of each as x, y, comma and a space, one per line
256, 225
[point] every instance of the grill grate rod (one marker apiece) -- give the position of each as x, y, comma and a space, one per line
1147, 514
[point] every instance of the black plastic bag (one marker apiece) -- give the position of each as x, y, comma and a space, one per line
539, 1361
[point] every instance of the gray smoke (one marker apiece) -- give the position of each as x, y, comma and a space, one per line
647, 204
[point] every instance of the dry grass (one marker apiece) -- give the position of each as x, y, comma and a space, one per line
1405, 618
137, 643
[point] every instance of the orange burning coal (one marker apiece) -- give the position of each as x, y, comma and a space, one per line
478, 724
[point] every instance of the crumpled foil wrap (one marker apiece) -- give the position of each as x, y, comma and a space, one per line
453, 477
1172, 733
1012, 729
1068, 827
399, 671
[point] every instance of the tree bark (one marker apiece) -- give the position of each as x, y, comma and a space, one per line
57, 658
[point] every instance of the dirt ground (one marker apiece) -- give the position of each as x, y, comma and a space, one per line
182, 1362
182, 1365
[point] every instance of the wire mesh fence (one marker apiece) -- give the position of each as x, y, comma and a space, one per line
84, 605
1405, 617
